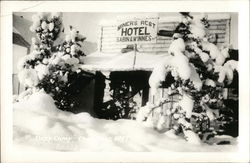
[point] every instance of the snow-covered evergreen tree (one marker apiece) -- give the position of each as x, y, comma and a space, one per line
199, 74
54, 69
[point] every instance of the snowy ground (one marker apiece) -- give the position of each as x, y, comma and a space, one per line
39, 125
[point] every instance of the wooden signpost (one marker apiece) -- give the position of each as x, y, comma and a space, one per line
137, 31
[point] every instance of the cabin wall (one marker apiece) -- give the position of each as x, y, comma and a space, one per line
18, 53
219, 28
234, 31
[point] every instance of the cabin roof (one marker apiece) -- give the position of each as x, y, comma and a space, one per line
123, 61
18, 39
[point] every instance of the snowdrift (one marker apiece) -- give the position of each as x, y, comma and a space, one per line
39, 125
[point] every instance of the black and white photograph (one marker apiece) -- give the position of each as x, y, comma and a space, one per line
127, 82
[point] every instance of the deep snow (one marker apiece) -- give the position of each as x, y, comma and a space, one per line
39, 126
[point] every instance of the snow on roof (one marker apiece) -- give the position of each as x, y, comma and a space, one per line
15, 30
22, 25
19, 40
122, 61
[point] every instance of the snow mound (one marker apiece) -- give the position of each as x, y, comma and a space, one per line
197, 29
176, 46
210, 82
181, 63
42, 70
195, 78
204, 56
232, 64
158, 75
178, 65
225, 72
187, 105
39, 126
192, 137
28, 77
144, 112
214, 51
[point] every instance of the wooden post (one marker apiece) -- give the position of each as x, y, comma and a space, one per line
18, 88
168, 122
135, 49
153, 99
100, 41
145, 93
227, 34
162, 96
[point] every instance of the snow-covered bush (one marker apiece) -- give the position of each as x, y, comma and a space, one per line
200, 73
54, 69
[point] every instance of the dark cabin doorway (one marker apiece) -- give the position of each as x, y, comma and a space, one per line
122, 87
